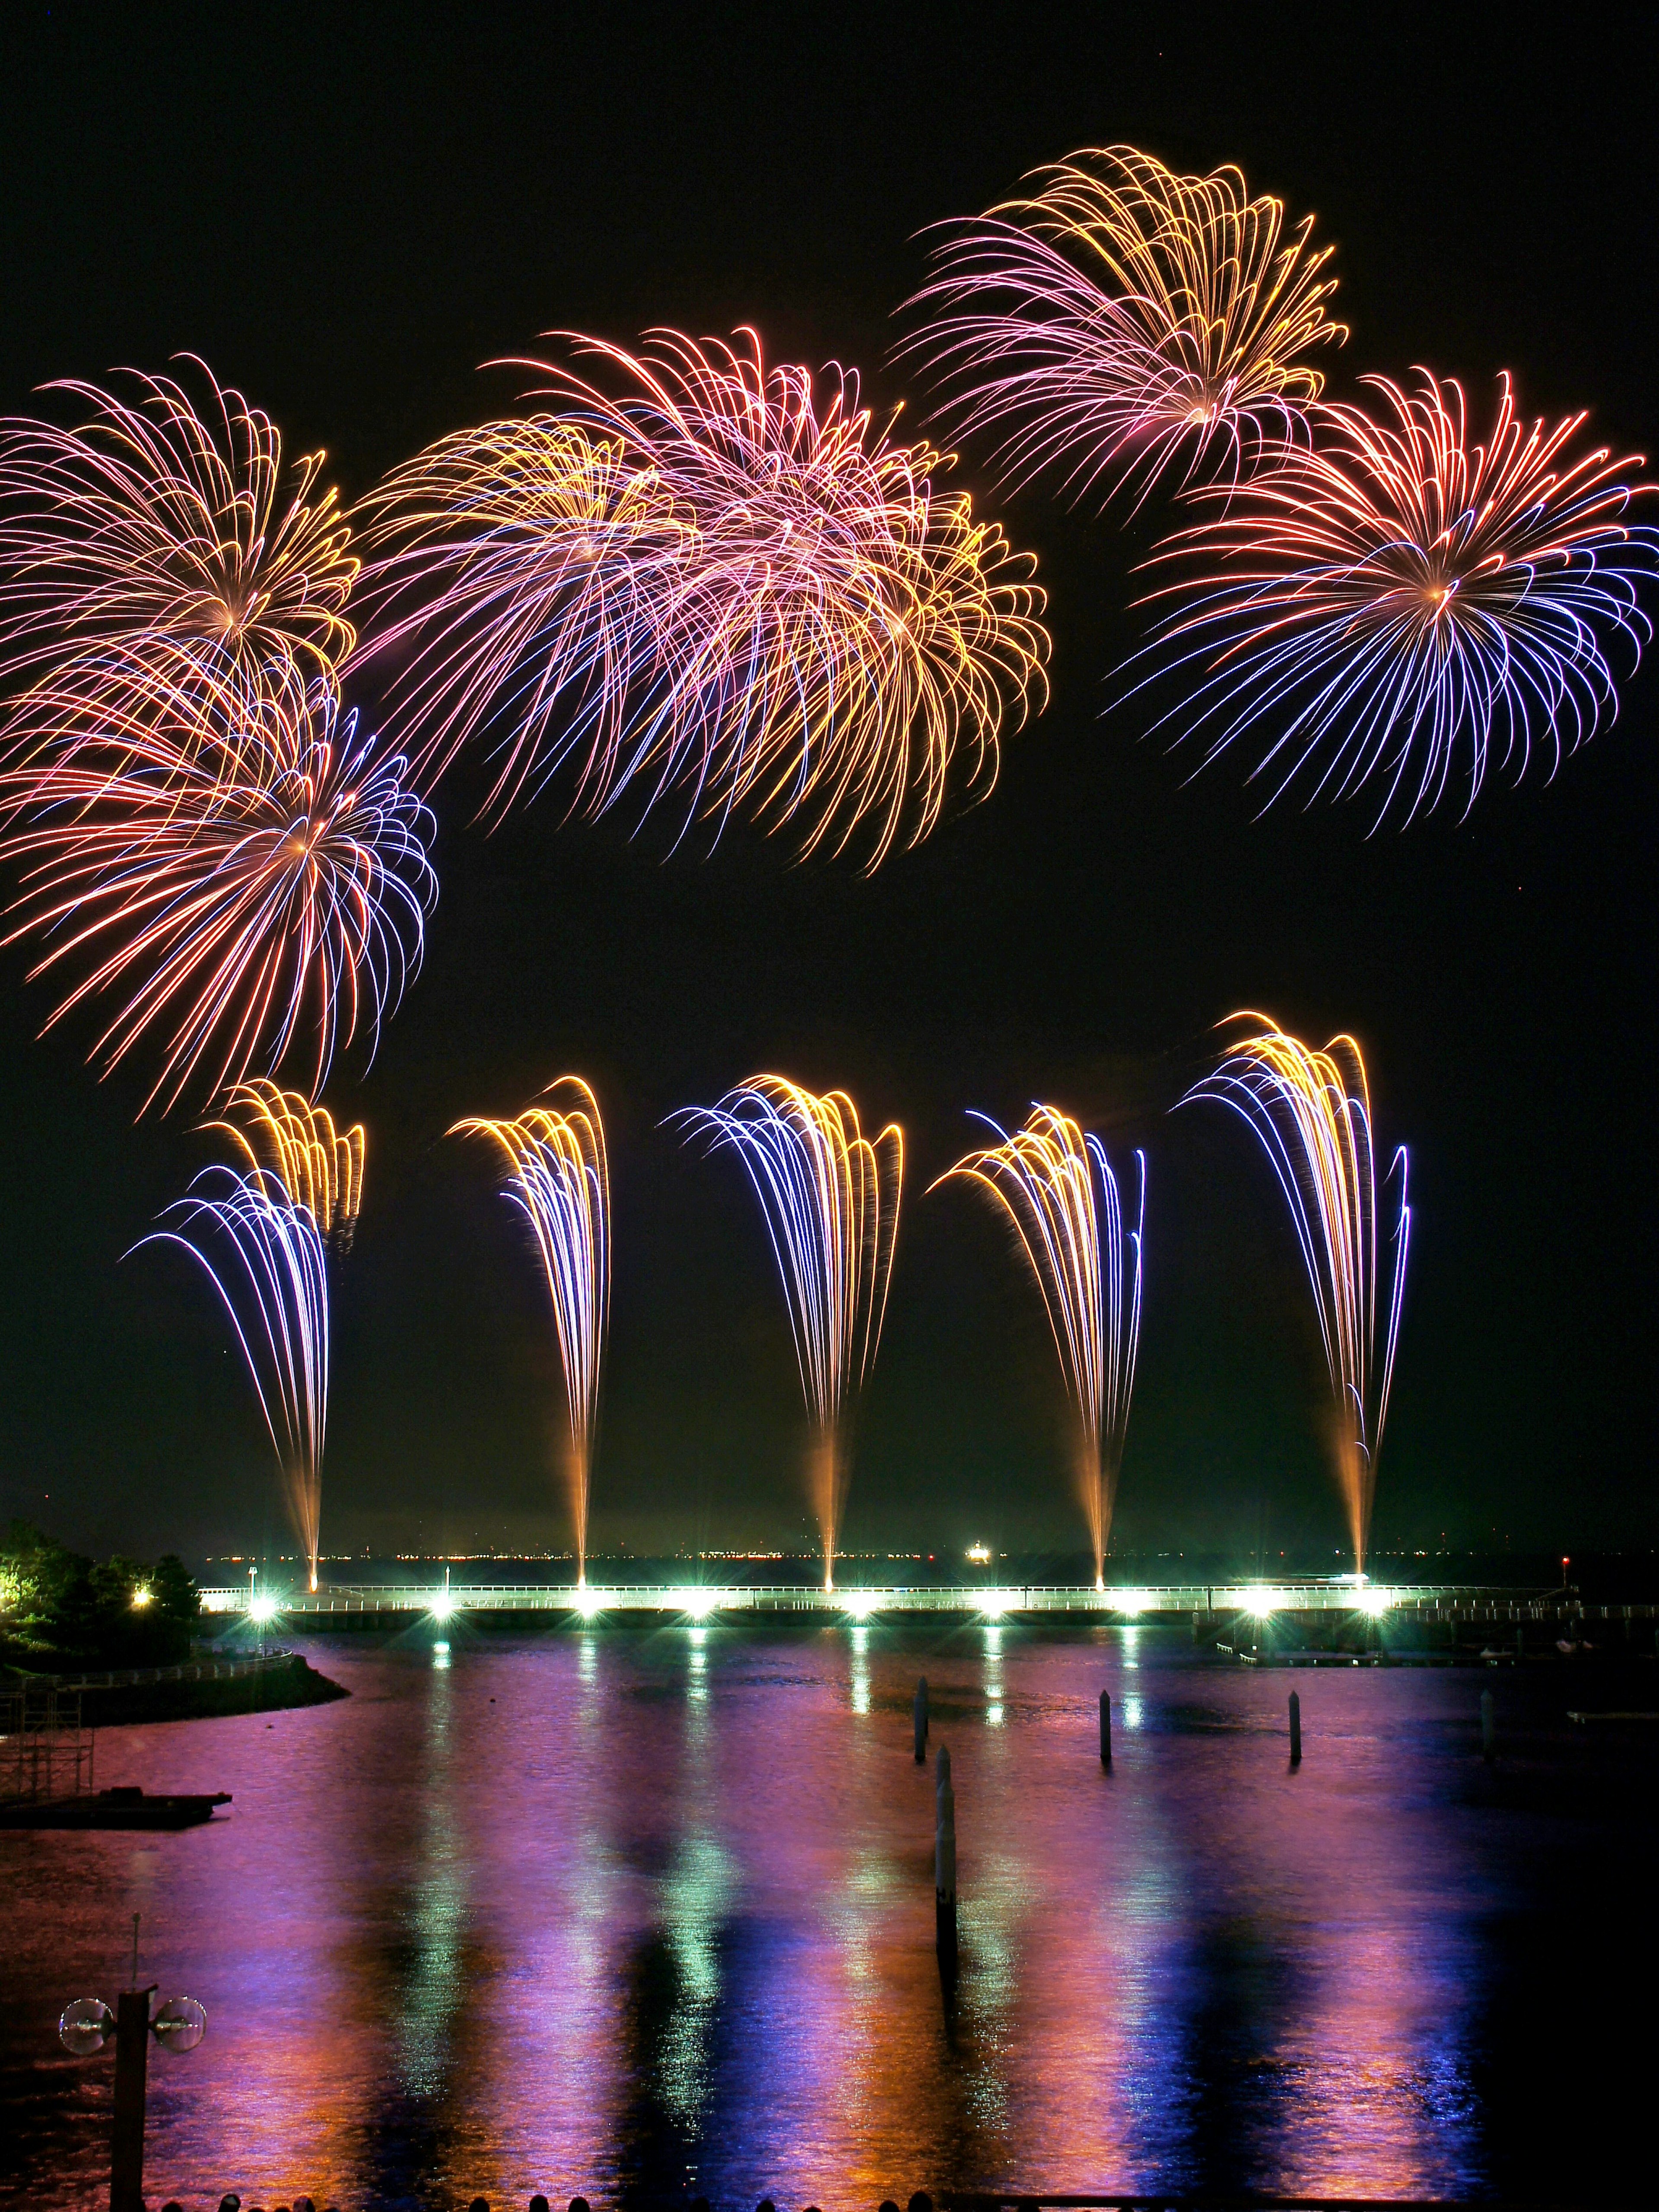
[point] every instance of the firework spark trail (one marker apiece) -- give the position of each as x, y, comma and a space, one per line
560, 1181
250, 884
159, 521
1311, 1113
1057, 1188
830, 1196
319, 1167
1125, 322
266, 1260
521, 573
751, 596
1398, 606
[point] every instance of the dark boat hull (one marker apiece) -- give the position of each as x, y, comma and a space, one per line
112, 1809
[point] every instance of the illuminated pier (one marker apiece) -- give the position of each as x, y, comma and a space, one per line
701, 1601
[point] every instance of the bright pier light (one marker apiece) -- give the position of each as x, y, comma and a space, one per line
261, 1609
993, 1603
700, 1603
1131, 1602
1259, 1603
1376, 1601
588, 1602
860, 1604
442, 1605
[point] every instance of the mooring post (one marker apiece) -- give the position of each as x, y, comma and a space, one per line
1105, 1727
1488, 1729
919, 1717
126, 2165
1519, 1642
945, 1862
1296, 1729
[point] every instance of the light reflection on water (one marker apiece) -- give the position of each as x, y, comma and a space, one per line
644, 1913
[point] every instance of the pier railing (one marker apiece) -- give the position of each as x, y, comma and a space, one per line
1444, 1604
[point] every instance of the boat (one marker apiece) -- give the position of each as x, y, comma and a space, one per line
125, 1808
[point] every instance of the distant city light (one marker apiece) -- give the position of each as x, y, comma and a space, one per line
980, 1554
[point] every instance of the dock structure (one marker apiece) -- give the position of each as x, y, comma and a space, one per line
1208, 1603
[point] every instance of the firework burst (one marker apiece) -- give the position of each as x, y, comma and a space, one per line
521, 573
559, 1180
830, 1196
1311, 1113
156, 521
1401, 608
1125, 322
318, 1166
247, 886
265, 1258
1057, 1188
746, 594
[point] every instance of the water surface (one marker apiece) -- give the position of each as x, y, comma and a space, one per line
650, 1913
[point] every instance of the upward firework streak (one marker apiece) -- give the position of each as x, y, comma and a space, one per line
1126, 321
741, 590
559, 1180
830, 1196
252, 877
1057, 1188
319, 1167
1399, 606
1311, 1111
264, 1257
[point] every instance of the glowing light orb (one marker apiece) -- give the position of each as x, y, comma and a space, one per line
261, 1609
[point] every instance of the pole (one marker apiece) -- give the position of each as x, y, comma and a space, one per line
126, 2165
1296, 1729
1105, 1727
945, 1864
919, 1719
1488, 1729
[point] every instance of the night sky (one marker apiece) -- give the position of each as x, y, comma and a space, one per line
345, 217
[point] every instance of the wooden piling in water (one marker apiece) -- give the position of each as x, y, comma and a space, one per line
1105, 1727
919, 1719
1296, 1729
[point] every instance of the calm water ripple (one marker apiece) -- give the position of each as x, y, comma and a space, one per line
650, 1914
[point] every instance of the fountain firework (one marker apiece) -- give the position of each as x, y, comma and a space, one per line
320, 1167
1311, 1112
559, 1180
265, 1257
830, 1196
1057, 1188
1126, 321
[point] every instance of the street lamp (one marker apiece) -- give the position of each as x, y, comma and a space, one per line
87, 2027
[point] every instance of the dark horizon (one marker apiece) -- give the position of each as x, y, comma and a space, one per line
343, 232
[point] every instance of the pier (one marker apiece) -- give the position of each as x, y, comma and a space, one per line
1213, 1605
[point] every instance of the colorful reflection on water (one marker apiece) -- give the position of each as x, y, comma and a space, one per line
650, 1915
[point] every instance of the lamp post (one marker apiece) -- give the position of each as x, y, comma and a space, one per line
87, 2027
